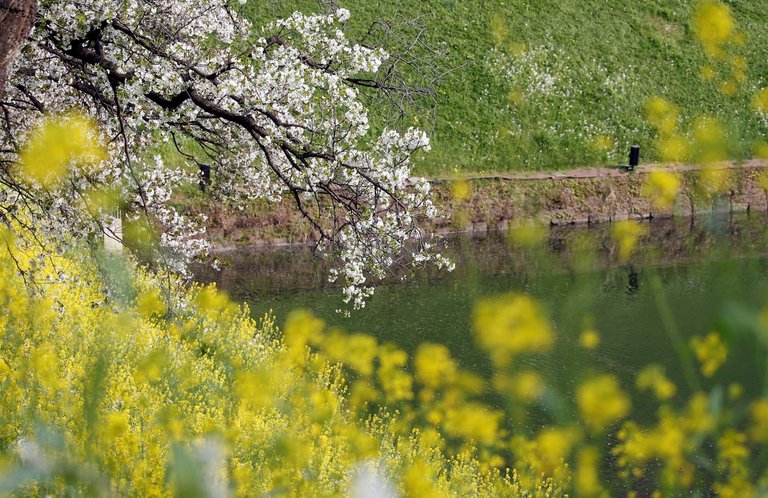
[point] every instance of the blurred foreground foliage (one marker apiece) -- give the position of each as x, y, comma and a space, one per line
116, 381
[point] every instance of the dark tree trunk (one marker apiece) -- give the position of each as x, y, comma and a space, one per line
16, 20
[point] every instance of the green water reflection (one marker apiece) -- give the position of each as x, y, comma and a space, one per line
713, 272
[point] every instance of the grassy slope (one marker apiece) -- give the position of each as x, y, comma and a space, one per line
489, 119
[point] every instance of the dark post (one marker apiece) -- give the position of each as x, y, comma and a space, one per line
205, 176
634, 157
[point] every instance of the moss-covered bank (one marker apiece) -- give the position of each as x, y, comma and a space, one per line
493, 202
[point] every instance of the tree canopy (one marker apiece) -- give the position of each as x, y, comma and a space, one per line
278, 111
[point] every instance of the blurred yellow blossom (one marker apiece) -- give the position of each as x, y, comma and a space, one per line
758, 412
661, 187
760, 151
587, 478
396, 383
589, 338
58, 143
474, 422
760, 101
729, 88
713, 26
662, 115
674, 148
527, 386
552, 447
434, 365
527, 235
708, 73
627, 233
713, 179
461, 190
499, 29
654, 378
45, 366
357, 351
302, 328
710, 351
731, 447
150, 304
603, 143
601, 402
117, 425
511, 324
418, 481
709, 138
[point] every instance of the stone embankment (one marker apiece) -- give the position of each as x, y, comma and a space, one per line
498, 201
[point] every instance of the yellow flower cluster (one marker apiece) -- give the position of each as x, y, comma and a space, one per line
508, 325
589, 339
59, 143
178, 391
661, 187
714, 27
716, 30
654, 378
601, 402
671, 144
168, 390
627, 233
710, 351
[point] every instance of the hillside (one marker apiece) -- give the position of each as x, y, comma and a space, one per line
555, 84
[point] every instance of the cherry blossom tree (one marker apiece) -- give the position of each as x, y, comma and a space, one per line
274, 112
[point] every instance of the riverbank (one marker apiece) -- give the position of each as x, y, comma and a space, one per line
476, 204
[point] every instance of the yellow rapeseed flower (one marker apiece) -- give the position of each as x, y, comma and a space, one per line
117, 425
627, 233
674, 148
760, 151
654, 378
434, 365
601, 402
527, 386
499, 29
45, 365
714, 26
710, 351
302, 328
661, 187
709, 139
758, 412
473, 422
708, 73
60, 142
760, 102
395, 382
527, 235
662, 115
461, 190
603, 143
589, 338
587, 479
553, 446
511, 324
713, 179
357, 351
732, 447
418, 481
150, 304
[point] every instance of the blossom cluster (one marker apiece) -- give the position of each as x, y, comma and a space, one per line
274, 113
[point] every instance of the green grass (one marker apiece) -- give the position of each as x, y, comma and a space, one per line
490, 119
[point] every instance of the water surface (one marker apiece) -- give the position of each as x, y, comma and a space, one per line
713, 273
